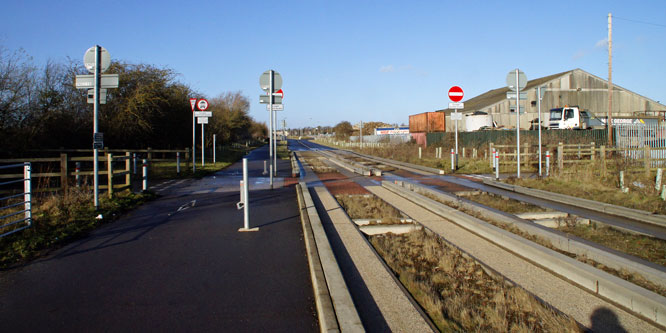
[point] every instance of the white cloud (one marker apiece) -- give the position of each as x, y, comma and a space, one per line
602, 43
387, 69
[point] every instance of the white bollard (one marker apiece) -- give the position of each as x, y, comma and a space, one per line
265, 172
178, 163
496, 164
145, 174
657, 183
419, 153
27, 192
453, 157
547, 163
245, 200
77, 172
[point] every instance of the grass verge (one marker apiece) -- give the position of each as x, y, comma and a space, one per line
58, 220
458, 294
505, 204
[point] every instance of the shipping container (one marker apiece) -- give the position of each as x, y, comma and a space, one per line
427, 122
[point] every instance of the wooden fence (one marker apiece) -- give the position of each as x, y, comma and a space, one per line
647, 158
53, 174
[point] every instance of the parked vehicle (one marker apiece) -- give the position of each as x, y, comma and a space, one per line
572, 117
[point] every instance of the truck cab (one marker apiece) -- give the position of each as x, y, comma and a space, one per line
569, 117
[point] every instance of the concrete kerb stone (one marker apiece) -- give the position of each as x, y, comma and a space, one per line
559, 241
325, 312
335, 306
641, 301
636, 214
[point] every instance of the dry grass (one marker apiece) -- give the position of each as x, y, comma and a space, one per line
644, 247
458, 294
505, 204
367, 206
648, 248
588, 182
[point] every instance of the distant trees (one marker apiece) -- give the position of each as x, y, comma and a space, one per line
343, 130
41, 108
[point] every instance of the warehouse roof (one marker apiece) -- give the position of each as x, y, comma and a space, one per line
497, 95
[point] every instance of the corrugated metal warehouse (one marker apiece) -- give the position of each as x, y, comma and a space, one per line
575, 87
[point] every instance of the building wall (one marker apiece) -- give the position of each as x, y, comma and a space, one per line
574, 88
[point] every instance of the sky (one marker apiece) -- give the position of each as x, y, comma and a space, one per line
352, 60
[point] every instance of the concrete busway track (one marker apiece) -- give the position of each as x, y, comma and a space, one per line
634, 298
641, 301
571, 244
623, 218
381, 301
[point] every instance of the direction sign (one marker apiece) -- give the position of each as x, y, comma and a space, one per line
87, 81
511, 80
193, 102
102, 96
265, 79
202, 120
456, 94
512, 95
202, 104
203, 113
457, 105
265, 99
276, 107
89, 59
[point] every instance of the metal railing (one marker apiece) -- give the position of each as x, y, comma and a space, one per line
16, 215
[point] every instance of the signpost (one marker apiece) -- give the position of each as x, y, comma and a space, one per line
456, 95
270, 81
540, 92
193, 103
202, 105
96, 60
517, 80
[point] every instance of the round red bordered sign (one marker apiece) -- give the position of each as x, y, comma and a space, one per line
456, 94
202, 104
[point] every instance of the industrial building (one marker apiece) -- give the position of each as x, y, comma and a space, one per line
574, 87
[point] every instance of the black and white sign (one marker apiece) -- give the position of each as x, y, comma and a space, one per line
203, 113
202, 120
202, 104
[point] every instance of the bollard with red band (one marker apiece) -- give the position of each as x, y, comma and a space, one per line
453, 157
145, 174
497, 164
547, 163
77, 173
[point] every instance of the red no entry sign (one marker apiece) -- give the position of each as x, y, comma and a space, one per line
456, 94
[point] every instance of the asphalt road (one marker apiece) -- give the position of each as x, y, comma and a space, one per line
175, 264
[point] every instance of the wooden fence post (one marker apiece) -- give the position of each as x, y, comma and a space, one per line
560, 156
150, 155
648, 159
63, 174
109, 173
474, 153
527, 154
592, 152
490, 153
187, 158
603, 159
128, 176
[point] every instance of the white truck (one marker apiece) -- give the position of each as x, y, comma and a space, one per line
572, 117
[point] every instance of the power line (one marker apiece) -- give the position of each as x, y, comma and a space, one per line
642, 22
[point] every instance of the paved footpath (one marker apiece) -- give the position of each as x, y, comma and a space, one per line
176, 264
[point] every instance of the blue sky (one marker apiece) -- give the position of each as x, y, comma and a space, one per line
352, 60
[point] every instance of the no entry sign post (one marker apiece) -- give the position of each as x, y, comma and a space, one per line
193, 103
456, 95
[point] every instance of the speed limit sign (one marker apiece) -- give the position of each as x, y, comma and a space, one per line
202, 104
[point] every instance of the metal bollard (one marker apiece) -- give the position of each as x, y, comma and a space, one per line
547, 163
265, 172
134, 161
77, 172
496, 164
419, 153
178, 163
453, 163
145, 174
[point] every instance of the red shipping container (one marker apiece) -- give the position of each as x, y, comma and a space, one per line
427, 122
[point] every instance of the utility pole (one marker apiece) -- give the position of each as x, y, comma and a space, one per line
609, 121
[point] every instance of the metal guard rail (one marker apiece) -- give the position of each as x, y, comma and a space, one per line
7, 224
